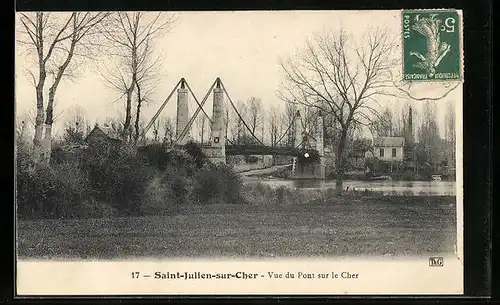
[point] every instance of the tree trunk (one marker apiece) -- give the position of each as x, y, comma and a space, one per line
138, 113
49, 120
137, 116
128, 114
339, 160
37, 139
39, 115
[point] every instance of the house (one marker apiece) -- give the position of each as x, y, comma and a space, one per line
103, 135
389, 148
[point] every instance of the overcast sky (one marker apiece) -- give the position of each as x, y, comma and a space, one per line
243, 48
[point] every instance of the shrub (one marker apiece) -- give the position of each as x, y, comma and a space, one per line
155, 155
59, 191
180, 189
217, 183
161, 157
120, 178
196, 152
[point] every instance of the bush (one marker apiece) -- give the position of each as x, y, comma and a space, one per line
102, 180
217, 183
120, 178
180, 189
196, 152
59, 191
163, 158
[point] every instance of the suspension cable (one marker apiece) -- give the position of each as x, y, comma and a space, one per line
288, 129
196, 100
236, 110
157, 114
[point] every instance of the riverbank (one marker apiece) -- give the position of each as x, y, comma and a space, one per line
321, 226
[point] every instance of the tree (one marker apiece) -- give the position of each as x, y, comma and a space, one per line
202, 126
339, 78
383, 125
76, 126
55, 39
156, 130
255, 114
450, 134
25, 124
429, 142
135, 68
237, 127
287, 121
274, 125
168, 126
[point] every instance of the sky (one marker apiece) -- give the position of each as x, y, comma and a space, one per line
242, 48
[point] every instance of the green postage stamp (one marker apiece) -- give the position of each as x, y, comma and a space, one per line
431, 45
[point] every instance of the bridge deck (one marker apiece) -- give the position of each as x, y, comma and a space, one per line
268, 150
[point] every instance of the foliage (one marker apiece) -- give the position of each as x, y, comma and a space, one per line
217, 183
195, 151
59, 191
104, 179
118, 177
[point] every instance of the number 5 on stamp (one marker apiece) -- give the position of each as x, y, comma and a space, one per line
431, 45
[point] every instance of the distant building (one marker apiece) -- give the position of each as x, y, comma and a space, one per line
388, 148
102, 135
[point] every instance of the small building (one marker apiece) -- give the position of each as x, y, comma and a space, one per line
103, 135
389, 148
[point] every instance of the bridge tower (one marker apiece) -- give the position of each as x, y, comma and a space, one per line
298, 139
320, 147
182, 112
218, 146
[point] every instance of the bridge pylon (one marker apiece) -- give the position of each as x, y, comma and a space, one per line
182, 113
218, 146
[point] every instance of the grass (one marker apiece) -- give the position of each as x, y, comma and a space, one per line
337, 227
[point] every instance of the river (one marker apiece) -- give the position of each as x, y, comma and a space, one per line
392, 187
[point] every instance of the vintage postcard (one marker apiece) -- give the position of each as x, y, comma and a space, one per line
239, 152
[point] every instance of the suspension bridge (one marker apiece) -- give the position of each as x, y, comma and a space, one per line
220, 146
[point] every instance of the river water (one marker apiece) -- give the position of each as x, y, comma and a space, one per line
386, 187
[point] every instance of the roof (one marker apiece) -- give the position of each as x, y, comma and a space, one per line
106, 130
389, 142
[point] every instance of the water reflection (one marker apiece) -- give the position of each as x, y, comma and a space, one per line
406, 188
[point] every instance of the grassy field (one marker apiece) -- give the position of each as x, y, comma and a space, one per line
342, 226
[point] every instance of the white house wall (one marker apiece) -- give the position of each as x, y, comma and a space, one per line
388, 153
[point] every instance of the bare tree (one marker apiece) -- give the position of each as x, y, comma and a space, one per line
339, 78
25, 122
288, 122
383, 125
274, 125
450, 134
76, 126
168, 126
156, 130
429, 141
237, 127
202, 124
255, 114
55, 39
136, 65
